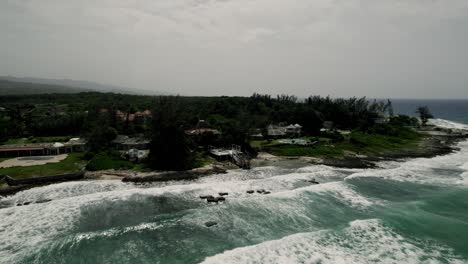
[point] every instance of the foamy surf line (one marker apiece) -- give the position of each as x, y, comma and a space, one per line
423, 170
443, 123
363, 241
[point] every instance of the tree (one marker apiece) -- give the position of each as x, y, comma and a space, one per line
424, 114
170, 146
100, 138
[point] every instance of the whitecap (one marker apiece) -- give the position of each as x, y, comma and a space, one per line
363, 241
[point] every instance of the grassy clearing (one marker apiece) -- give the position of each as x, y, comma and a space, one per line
109, 161
72, 163
357, 142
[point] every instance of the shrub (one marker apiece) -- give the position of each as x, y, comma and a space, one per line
107, 161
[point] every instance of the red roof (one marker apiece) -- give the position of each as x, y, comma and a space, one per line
20, 148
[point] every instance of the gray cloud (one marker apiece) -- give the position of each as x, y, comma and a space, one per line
386, 48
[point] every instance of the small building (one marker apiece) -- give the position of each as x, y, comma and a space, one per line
202, 127
294, 130
43, 149
76, 145
142, 116
278, 131
200, 131
136, 155
123, 142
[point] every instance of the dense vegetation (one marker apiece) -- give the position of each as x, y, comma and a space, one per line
94, 116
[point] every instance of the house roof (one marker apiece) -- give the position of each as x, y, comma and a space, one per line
200, 131
126, 140
19, 148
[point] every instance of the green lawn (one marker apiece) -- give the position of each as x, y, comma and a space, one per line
72, 163
108, 161
357, 142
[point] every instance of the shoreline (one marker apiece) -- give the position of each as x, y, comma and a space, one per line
436, 141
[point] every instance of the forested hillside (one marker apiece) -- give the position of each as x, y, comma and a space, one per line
19, 88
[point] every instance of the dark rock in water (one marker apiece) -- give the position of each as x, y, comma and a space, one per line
220, 199
211, 199
210, 224
43, 201
223, 193
205, 196
250, 191
19, 205
261, 191
266, 192
26, 203
313, 181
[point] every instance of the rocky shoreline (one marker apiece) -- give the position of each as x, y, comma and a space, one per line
437, 141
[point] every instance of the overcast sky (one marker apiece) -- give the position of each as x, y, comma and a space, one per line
377, 48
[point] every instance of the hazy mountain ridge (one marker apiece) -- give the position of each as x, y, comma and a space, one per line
10, 85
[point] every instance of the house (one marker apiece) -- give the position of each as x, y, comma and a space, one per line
136, 154
43, 149
123, 142
278, 131
76, 144
200, 131
202, 127
294, 130
142, 116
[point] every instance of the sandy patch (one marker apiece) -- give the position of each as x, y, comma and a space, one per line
32, 161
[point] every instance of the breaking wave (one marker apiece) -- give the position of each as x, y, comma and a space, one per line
448, 124
363, 241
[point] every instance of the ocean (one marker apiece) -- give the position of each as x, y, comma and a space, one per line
413, 211
453, 110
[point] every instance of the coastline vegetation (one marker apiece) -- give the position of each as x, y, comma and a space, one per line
357, 143
372, 127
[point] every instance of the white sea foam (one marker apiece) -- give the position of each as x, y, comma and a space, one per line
29, 227
448, 124
67, 190
363, 241
423, 170
339, 190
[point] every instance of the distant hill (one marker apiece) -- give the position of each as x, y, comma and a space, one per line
19, 88
15, 86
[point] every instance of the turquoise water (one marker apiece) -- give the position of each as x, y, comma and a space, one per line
414, 211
